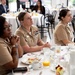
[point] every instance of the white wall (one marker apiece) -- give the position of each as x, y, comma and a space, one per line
56, 2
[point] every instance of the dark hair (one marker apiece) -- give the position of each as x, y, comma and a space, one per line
42, 8
40, 2
63, 13
21, 16
2, 22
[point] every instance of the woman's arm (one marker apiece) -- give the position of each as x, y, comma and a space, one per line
13, 64
66, 42
17, 42
9, 60
15, 54
26, 48
20, 50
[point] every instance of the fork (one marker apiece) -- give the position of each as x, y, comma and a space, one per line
40, 73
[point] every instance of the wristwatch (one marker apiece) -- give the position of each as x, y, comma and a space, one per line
15, 46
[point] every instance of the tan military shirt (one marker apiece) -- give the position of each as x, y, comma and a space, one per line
28, 38
62, 32
5, 56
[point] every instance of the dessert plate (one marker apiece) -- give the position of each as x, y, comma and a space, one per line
29, 60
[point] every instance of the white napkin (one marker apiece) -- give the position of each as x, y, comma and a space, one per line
72, 70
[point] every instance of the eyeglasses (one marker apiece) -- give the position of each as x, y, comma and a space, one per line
8, 27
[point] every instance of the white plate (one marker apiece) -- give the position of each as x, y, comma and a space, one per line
29, 60
25, 61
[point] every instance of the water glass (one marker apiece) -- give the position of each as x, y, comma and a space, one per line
46, 61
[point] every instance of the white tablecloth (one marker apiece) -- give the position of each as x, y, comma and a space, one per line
47, 70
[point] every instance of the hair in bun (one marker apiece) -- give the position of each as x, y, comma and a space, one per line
63, 13
59, 18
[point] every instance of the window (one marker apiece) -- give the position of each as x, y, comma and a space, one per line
71, 3
12, 5
46, 3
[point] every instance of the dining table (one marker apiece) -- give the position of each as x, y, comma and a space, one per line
47, 59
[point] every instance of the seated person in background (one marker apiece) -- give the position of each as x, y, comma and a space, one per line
62, 33
10, 49
29, 35
3, 7
39, 8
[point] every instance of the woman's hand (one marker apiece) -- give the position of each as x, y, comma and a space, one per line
47, 45
14, 39
18, 40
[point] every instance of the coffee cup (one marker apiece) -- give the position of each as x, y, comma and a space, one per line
36, 65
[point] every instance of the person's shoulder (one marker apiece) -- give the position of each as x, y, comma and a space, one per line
1, 40
1, 47
2, 43
19, 31
58, 27
0, 5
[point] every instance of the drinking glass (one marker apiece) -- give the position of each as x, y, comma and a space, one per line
46, 60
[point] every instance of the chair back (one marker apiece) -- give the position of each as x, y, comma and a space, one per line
17, 21
31, 7
73, 22
74, 17
54, 13
50, 18
42, 20
44, 28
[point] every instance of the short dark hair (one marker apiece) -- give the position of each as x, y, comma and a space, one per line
2, 22
21, 16
63, 13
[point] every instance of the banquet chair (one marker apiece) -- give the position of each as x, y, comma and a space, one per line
73, 25
23, 5
44, 28
31, 7
73, 22
51, 19
54, 16
54, 13
17, 21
